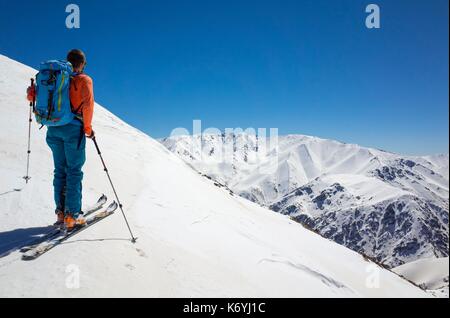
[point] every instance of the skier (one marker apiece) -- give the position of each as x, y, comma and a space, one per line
68, 143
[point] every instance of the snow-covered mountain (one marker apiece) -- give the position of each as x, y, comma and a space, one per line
194, 239
388, 207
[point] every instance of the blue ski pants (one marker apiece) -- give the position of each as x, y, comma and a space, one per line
68, 144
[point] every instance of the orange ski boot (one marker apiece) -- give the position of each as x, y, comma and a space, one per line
59, 218
70, 223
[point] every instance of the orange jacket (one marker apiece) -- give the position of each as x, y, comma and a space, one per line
82, 99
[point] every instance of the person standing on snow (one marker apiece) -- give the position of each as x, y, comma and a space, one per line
68, 143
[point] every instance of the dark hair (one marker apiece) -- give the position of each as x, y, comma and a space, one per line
76, 58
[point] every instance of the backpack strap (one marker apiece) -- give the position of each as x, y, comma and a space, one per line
50, 104
80, 138
76, 111
50, 81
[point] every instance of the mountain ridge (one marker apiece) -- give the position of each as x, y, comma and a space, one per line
367, 178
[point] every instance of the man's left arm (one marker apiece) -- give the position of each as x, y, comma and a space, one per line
88, 105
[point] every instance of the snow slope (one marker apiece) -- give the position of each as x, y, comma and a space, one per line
195, 239
389, 207
430, 273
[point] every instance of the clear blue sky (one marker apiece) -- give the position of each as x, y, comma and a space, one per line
308, 67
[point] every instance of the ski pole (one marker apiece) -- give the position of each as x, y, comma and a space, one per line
27, 177
133, 239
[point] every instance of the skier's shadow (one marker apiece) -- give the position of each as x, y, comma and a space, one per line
14, 240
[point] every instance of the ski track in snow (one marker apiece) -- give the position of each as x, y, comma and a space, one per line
326, 280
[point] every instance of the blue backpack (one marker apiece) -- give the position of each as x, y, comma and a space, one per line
53, 106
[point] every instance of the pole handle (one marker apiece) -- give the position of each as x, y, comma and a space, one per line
32, 84
96, 145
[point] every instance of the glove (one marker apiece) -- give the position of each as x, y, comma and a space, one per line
31, 93
92, 135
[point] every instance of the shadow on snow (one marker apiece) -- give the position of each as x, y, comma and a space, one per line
11, 241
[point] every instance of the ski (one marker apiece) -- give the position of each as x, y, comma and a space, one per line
48, 245
97, 206
56, 230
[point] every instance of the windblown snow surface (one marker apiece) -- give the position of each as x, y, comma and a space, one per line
429, 273
195, 239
